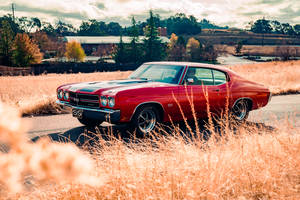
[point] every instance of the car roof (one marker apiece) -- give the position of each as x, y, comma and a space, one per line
192, 64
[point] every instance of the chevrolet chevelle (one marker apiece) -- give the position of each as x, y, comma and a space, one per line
162, 92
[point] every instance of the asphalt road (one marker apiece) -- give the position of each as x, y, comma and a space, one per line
279, 109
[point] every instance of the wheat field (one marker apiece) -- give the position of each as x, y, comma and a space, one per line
259, 50
280, 77
37, 94
250, 163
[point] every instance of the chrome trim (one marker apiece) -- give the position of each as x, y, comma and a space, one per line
270, 97
212, 69
148, 102
88, 100
106, 110
241, 99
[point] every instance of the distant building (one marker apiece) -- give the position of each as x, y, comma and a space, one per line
162, 31
103, 46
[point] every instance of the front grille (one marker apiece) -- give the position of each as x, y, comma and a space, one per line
86, 100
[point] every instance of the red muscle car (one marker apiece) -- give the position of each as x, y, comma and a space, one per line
158, 91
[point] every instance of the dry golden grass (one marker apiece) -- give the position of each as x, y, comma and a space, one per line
37, 94
280, 77
258, 50
33, 163
253, 163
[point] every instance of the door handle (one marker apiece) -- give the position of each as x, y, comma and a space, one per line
217, 90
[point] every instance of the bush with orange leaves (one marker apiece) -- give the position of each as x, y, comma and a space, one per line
44, 160
25, 51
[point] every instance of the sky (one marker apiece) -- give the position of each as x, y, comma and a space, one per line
233, 13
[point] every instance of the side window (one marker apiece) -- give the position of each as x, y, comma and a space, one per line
199, 76
220, 77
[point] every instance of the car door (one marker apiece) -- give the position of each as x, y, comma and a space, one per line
221, 92
197, 82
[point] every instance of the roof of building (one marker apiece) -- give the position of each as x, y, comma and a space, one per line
106, 39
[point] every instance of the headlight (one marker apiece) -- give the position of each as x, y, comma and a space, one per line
111, 101
66, 95
103, 100
60, 94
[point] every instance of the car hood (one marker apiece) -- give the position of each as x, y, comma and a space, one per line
116, 85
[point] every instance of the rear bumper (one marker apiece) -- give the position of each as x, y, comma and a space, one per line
108, 115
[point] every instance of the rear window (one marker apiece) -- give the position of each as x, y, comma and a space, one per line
219, 77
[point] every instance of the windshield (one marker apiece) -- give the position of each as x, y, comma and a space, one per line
159, 73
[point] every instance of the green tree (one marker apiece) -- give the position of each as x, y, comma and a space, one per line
64, 29
120, 52
48, 29
74, 52
276, 26
94, 28
238, 47
287, 29
154, 49
28, 24
297, 29
261, 26
182, 24
6, 43
14, 26
135, 52
114, 28
25, 52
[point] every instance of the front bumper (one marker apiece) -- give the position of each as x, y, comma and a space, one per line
108, 115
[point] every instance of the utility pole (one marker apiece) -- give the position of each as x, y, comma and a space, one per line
13, 11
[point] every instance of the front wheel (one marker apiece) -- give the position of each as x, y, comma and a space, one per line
145, 120
89, 122
240, 111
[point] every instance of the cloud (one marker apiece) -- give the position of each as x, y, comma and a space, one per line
221, 12
54, 13
272, 2
101, 6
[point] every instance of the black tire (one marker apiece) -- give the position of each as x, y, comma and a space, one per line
90, 122
240, 111
145, 120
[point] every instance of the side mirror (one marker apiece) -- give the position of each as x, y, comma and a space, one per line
190, 80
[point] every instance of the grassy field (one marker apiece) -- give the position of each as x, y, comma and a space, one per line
280, 77
252, 163
258, 50
37, 94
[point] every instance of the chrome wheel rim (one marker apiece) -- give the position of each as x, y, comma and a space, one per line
146, 120
240, 110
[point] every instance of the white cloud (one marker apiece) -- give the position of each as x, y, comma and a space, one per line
222, 12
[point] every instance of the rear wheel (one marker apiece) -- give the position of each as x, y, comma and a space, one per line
89, 122
145, 119
240, 111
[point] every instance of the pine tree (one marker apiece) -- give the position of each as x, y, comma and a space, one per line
154, 49
135, 52
6, 43
119, 55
